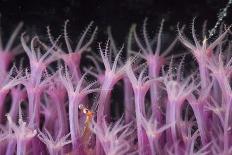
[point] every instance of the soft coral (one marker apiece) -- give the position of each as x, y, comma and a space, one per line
76, 94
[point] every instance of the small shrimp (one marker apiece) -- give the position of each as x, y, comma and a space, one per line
86, 132
89, 116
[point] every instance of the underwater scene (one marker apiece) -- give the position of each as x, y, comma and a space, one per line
115, 77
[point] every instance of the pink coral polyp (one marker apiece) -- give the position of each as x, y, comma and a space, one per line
161, 109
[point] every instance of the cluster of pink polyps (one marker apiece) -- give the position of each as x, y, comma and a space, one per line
50, 106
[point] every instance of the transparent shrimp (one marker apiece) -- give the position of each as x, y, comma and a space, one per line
86, 132
89, 115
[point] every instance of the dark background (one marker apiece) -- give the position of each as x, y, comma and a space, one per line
120, 14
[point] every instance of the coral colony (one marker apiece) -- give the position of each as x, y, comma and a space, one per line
52, 103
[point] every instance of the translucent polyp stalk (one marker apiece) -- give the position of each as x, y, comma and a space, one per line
154, 145
140, 110
128, 100
153, 152
226, 126
171, 118
198, 111
204, 74
34, 105
54, 151
21, 147
72, 123
155, 95
75, 125
154, 69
